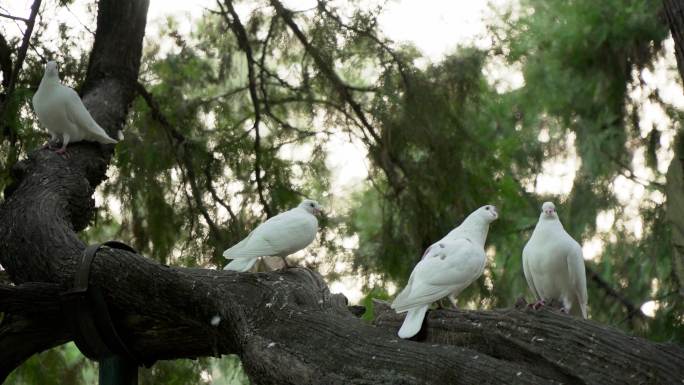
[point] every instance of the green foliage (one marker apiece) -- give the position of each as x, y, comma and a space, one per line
61, 365
441, 140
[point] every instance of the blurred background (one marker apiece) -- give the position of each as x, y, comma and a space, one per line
438, 107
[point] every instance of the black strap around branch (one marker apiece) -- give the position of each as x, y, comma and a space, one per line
87, 312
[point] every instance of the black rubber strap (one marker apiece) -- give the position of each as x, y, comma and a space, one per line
87, 312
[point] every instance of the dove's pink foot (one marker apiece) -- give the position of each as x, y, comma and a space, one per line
62, 151
285, 264
537, 305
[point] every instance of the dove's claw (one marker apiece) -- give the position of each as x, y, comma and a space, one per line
537, 305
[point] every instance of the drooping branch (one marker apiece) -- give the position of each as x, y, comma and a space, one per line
326, 68
233, 19
182, 153
378, 143
384, 45
632, 310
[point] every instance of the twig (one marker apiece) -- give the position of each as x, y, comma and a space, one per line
6, 16
632, 310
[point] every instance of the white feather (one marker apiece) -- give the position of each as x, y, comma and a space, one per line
412, 322
554, 266
62, 112
447, 268
279, 236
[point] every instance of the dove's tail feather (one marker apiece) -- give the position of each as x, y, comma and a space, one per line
579, 309
413, 322
98, 134
241, 264
82, 118
101, 136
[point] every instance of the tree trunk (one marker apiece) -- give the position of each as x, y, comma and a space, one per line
675, 173
286, 326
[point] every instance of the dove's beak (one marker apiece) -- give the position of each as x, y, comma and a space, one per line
318, 211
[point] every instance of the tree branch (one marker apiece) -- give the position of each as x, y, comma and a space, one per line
7, 16
5, 65
543, 339
243, 41
21, 337
286, 326
674, 187
182, 153
21, 55
379, 145
32, 298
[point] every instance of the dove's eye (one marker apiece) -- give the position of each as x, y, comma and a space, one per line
487, 208
311, 204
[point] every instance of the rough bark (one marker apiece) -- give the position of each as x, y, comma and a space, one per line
286, 326
674, 10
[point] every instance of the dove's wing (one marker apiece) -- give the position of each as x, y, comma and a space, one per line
442, 271
578, 277
79, 116
279, 236
528, 272
235, 249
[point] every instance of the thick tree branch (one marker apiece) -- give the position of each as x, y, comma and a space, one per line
557, 347
20, 338
51, 196
30, 298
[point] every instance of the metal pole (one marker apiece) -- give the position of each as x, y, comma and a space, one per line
117, 370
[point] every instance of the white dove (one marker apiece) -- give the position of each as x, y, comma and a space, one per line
62, 112
447, 267
553, 264
279, 236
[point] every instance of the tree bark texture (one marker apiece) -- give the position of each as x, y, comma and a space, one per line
286, 326
674, 11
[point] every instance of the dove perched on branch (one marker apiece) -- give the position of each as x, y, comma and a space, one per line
553, 264
62, 112
447, 267
279, 236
